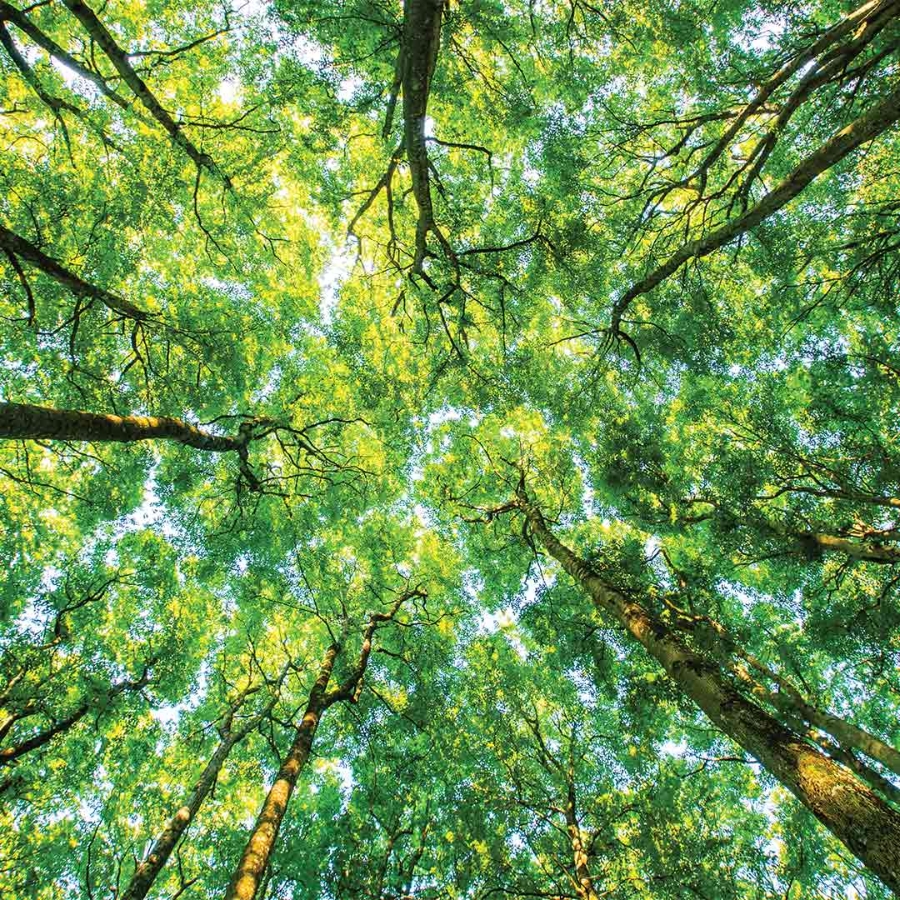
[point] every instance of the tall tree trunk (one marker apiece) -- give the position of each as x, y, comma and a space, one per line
148, 870
417, 60
857, 816
585, 886
255, 858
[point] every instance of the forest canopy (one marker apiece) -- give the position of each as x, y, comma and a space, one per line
448, 449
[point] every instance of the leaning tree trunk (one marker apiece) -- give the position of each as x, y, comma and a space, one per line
868, 126
857, 816
254, 861
148, 870
255, 858
787, 700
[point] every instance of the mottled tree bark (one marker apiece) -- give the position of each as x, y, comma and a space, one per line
585, 881
857, 816
787, 699
23, 421
255, 858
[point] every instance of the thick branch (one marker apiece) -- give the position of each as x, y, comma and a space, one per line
98, 31
23, 23
23, 249
863, 129
23, 421
38, 740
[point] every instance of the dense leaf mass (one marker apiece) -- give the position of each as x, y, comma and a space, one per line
448, 449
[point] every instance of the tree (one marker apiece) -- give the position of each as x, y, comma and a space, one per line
513, 383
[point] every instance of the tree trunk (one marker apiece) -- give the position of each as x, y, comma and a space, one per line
787, 699
847, 734
585, 886
857, 816
148, 870
255, 858
418, 58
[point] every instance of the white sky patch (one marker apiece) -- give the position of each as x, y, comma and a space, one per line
72, 80
766, 37
670, 748
229, 91
505, 621
250, 7
169, 716
348, 87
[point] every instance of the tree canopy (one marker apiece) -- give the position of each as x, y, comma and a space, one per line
448, 449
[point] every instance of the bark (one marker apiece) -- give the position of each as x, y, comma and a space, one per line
787, 699
858, 132
55, 104
870, 12
585, 882
255, 858
23, 249
855, 814
22, 421
417, 61
869, 551
868, 774
10, 754
846, 734
99, 33
148, 870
